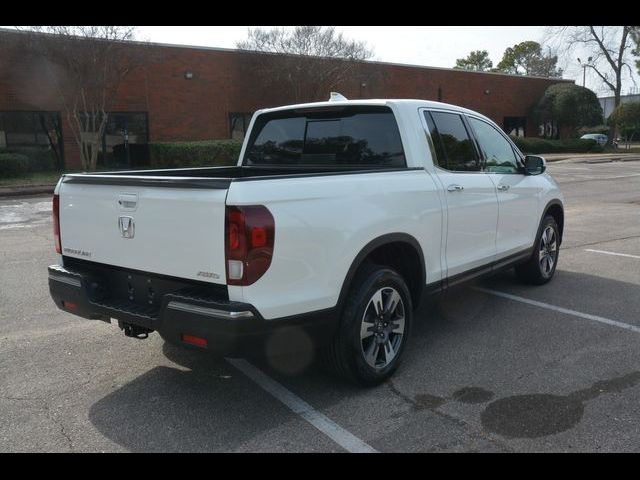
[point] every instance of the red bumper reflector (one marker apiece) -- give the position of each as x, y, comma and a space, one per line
72, 307
192, 340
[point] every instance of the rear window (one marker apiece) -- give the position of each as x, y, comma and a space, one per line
342, 136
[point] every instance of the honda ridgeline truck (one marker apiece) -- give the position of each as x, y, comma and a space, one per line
336, 221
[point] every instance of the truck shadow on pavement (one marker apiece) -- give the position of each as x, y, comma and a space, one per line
209, 408
511, 362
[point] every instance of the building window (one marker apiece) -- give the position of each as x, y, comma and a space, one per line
515, 126
239, 124
125, 140
32, 129
549, 129
26, 129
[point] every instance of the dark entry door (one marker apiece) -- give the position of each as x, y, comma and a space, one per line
125, 140
515, 126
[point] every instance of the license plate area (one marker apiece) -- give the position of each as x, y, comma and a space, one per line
140, 289
105, 283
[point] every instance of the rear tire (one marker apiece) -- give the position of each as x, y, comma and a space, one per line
540, 268
375, 324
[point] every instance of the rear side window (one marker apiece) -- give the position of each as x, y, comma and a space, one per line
454, 148
344, 136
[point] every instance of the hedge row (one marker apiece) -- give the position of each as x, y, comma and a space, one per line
194, 154
18, 161
531, 145
13, 165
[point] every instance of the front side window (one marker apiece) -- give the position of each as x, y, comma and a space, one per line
343, 136
498, 153
452, 142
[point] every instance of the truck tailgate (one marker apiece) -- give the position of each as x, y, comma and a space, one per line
158, 229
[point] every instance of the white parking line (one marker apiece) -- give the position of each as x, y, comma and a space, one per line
567, 311
13, 226
612, 253
587, 178
554, 167
335, 432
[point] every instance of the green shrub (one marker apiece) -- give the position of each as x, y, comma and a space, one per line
579, 145
194, 154
532, 145
41, 159
38, 159
13, 164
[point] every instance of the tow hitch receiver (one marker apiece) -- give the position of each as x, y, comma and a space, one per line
135, 331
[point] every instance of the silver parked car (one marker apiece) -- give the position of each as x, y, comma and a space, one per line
598, 137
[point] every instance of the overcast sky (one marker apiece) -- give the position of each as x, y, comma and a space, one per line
436, 46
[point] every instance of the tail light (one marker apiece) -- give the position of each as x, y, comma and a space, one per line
249, 237
193, 340
55, 211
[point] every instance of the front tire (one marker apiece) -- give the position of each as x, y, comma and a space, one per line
541, 267
374, 327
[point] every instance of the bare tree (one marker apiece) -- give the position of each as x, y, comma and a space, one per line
609, 48
87, 65
309, 60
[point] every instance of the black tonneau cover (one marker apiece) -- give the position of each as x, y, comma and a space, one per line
210, 177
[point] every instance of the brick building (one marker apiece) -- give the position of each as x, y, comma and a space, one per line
198, 93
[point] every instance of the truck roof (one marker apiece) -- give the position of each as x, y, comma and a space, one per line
403, 103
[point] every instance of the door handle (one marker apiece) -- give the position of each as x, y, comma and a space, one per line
455, 188
503, 188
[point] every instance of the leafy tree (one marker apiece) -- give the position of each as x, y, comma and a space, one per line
478, 61
627, 117
527, 58
309, 60
569, 105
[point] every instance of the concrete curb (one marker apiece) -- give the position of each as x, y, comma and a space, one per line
24, 190
591, 158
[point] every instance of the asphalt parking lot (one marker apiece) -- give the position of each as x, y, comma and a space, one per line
491, 367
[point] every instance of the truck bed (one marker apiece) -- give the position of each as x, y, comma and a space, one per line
207, 177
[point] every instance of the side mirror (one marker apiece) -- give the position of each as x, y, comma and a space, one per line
534, 165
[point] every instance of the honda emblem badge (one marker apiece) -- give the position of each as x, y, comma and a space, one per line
127, 227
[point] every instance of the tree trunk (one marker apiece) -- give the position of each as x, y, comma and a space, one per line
613, 129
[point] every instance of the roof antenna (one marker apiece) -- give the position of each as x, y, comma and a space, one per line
337, 97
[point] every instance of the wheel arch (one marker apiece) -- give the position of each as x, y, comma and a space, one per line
555, 208
388, 243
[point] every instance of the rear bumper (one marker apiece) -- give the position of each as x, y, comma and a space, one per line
229, 328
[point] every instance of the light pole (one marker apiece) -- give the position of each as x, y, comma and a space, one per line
584, 69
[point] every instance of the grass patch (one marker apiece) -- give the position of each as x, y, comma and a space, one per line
622, 150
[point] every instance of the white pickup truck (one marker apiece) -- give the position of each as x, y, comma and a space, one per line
337, 219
